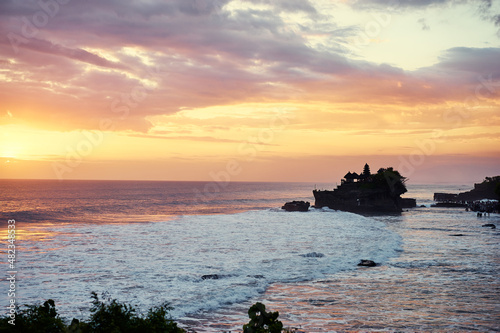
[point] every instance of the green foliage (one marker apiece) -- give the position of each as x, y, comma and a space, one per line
35, 319
121, 318
157, 320
391, 180
262, 321
109, 317
112, 317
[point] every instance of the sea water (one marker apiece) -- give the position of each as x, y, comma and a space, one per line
146, 243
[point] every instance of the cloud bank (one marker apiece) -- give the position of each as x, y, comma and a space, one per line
68, 64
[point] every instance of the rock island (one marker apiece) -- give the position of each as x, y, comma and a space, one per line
368, 193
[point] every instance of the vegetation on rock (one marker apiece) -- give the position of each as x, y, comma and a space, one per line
391, 180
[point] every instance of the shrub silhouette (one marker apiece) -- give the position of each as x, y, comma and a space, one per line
109, 317
35, 319
117, 317
262, 321
112, 317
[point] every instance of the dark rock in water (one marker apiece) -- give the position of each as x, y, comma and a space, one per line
367, 263
457, 235
422, 206
210, 277
296, 206
297, 330
320, 302
489, 225
407, 202
313, 255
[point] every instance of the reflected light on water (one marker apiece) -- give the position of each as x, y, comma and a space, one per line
33, 233
367, 299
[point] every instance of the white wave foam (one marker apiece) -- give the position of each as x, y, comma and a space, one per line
149, 263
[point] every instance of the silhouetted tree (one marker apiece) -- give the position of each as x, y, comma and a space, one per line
366, 170
391, 180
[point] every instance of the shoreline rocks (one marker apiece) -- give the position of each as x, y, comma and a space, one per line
367, 263
296, 206
313, 255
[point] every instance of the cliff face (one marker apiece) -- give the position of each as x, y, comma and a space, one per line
485, 190
488, 189
354, 198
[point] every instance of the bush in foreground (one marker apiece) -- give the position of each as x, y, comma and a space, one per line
106, 317
35, 318
262, 321
113, 317
117, 317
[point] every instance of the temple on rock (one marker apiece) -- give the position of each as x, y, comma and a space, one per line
367, 193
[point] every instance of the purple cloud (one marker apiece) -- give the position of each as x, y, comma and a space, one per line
191, 54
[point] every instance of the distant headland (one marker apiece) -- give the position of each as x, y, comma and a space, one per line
369, 193
484, 197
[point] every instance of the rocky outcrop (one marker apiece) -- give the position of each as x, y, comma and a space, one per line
485, 190
378, 193
353, 198
407, 202
483, 198
367, 263
296, 206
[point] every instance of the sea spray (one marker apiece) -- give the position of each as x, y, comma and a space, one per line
146, 264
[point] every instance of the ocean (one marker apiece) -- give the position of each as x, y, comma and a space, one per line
147, 243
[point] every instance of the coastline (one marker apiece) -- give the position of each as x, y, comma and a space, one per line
414, 292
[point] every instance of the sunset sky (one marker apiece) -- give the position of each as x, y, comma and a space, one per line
249, 90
